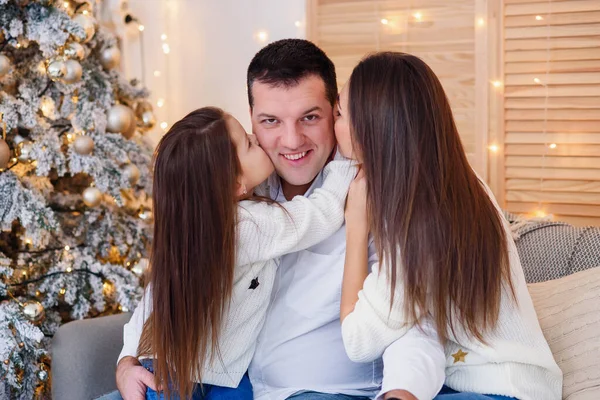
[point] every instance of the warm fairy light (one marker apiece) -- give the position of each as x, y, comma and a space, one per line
166, 48
262, 36
384, 21
163, 37
164, 125
552, 145
67, 248
537, 80
539, 17
481, 22
418, 16
497, 84
297, 23
66, 4
157, 73
141, 28
69, 137
160, 102
540, 214
85, 12
28, 241
69, 270
493, 148
62, 291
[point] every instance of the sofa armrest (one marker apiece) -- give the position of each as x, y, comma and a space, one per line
84, 357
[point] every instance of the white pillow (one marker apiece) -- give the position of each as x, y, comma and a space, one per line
569, 313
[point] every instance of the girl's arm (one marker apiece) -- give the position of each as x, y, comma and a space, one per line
266, 231
132, 331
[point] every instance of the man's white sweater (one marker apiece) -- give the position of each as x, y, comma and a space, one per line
264, 233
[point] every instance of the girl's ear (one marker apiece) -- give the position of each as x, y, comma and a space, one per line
241, 190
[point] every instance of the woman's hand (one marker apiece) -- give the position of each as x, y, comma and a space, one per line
357, 220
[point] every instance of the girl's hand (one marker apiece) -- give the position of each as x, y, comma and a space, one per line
357, 219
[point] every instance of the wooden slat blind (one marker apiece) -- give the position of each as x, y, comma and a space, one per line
552, 108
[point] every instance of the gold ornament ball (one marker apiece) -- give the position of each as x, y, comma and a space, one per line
56, 69
119, 119
132, 173
33, 311
92, 197
110, 57
74, 50
74, 72
5, 65
4, 154
24, 151
128, 134
145, 115
83, 145
88, 25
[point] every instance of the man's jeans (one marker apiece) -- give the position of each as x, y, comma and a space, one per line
325, 396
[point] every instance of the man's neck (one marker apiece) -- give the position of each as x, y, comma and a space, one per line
290, 191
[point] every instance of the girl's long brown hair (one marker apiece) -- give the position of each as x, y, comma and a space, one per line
433, 222
192, 258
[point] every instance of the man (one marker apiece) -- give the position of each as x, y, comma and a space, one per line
300, 354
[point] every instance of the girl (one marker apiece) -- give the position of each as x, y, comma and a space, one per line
213, 255
447, 259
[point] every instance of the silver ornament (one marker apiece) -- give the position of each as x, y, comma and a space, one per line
56, 69
83, 145
42, 375
33, 311
140, 267
5, 65
132, 173
88, 25
24, 151
92, 197
110, 57
4, 154
74, 72
119, 118
74, 50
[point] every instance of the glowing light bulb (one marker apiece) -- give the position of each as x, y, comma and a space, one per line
537, 80
297, 23
481, 22
385, 21
418, 16
493, 148
160, 102
552, 145
497, 84
141, 28
67, 248
62, 291
166, 48
69, 270
539, 17
540, 214
262, 36
164, 125
163, 37
157, 73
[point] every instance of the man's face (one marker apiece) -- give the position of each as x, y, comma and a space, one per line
294, 125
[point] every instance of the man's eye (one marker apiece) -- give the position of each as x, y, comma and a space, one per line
269, 121
311, 118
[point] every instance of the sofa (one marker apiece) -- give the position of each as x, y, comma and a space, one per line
558, 260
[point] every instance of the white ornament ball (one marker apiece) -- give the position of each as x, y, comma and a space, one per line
83, 145
132, 173
110, 57
74, 50
5, 65
56, 69
74, 72
88, 25
33, 311
119, 118
24, 151
4, 154
92, 197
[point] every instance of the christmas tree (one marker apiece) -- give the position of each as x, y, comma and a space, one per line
74, 182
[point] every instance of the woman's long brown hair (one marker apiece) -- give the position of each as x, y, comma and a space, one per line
432, 220
192, 258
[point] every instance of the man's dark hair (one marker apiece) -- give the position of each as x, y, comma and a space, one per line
285, 62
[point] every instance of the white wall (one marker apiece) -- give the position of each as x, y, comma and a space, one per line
211, 44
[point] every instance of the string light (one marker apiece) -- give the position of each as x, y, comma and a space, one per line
418, 16
537, 80
496, 84
164, 125
262, 36
297, 23
85, 12
160, 102
67, 248
539, 17
66, 4
156, 74
69, 270
540, 213
28, 241
493, 148
384, 21
481, 22
166, 48
552, 145
163, 37
141, 28
62, 291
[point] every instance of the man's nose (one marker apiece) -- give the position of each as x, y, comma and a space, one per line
292, 138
